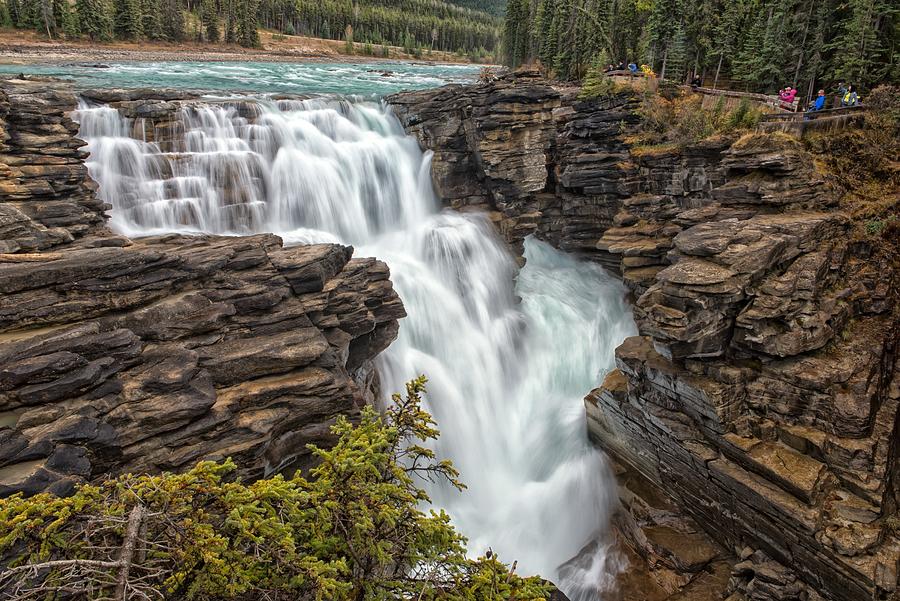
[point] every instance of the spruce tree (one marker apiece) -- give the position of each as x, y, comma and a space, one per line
247, 31
66, 18
210, 19
230, 21
515, 32
596, 83
172, 20
11, 13
94, 19
677, 56
727, 32
151, 22
867, 40
128, 19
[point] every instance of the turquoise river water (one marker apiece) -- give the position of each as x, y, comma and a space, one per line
364, 79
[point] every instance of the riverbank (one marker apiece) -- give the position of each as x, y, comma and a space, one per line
27, 48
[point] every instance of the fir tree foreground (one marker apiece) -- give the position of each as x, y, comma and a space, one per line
353, 530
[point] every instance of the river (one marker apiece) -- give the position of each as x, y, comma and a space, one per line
509, 353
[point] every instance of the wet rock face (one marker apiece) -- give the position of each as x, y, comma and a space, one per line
761, 398
47, 195
492, 146
152, 354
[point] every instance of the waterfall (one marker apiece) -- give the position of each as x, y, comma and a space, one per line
509, 354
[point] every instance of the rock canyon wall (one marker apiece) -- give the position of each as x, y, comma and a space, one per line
754, 421
152, 354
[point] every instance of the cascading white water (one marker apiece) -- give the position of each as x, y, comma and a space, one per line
506, 377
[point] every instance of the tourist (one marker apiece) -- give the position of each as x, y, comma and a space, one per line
816, 105
787, 94
842, 91
851, 98
819, 104
633, 68
621, 66
696, 81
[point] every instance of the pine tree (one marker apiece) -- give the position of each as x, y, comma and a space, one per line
172, 20
230, 21
151, 22
11, 13
661, 22
515, 32
676, 56
247, 33
128, 19
47, 18
210, 19
864, 48
727, 35
596, 83
94, 19
66, 18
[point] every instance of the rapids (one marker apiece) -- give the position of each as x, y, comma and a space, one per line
306, 77
509, 354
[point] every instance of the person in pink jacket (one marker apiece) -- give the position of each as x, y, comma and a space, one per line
787, 94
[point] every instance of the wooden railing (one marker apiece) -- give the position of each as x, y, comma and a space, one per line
811, 115
801, 124
772, 103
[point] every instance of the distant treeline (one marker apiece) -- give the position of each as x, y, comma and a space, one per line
414, 24
492, 7
409, 23
759, 45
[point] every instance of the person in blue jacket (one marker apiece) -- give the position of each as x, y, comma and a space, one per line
819, 104
633, 68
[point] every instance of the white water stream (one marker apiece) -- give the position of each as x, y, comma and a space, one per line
506, 377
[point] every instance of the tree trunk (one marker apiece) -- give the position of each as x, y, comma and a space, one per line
802, 46
662, 72
718, 69
135, 519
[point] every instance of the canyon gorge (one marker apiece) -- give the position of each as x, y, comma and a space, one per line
750, 409
758, 406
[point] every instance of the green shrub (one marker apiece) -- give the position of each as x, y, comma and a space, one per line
355, 529
596, 84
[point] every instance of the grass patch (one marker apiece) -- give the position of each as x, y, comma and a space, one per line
678, 117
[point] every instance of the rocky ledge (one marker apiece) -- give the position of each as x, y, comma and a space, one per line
754, 422
152, 354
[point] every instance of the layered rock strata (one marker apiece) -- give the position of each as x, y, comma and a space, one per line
152, 354
760, 403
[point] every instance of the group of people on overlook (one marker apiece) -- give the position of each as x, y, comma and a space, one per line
621, 67
846, 96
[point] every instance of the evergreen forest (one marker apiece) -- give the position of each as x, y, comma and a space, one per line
750, 45
413, 24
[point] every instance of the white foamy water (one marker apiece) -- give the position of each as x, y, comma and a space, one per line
507, 378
